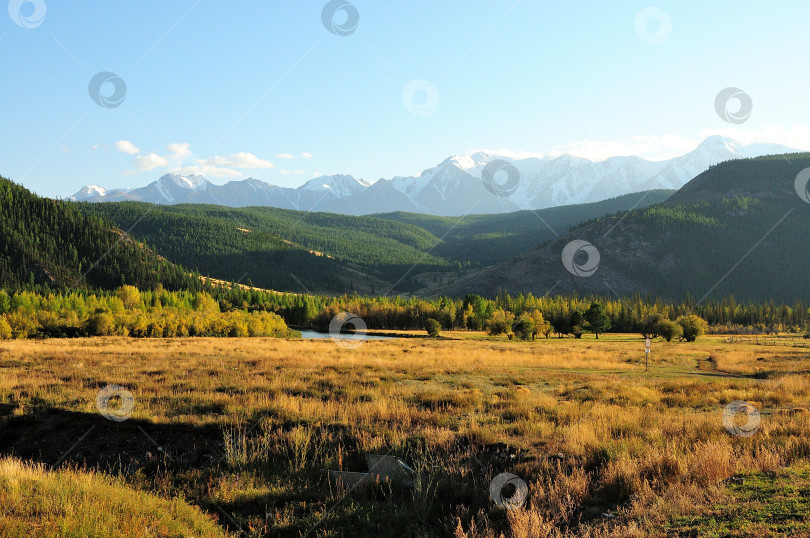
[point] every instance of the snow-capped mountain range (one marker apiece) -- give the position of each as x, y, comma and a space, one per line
455, 186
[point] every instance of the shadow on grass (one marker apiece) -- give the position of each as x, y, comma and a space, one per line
56, 437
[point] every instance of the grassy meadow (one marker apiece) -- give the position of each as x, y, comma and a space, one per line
233, 436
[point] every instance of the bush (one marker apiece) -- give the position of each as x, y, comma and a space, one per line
154, 329
101, 324
647, 327
667, 329
526, 327
22, 326
5, 329
139, 326
432, 327
523, 328
541, 325
500, 322
693, 327
561, 325
129, 295
530, 324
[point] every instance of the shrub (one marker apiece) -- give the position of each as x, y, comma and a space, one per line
667, 329
101, 324
129, 295
500, 322
154, 329
139, 326
22, 326
524, 328
693, 327
5, 329
541, 325
647, 327
432, 327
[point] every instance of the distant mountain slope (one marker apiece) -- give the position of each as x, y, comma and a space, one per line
739, 228
453, 187
175, 189
281, 249
50, 242
489, 239
325, 252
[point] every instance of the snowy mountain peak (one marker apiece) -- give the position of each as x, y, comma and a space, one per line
91, 190
720, 143
339, 185
192, 182
454, 186
470, 162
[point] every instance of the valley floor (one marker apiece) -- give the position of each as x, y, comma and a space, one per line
243, 430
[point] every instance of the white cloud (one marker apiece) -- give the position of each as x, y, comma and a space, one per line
640, 146
145, 163
665, 146
179, 151
237, 160
512, 154
306, 155
181, 160
797, 137
651, 147
125, 146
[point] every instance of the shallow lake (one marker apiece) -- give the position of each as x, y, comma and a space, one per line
307, 334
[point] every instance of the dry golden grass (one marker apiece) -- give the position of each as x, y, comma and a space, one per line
38, 502
580, 420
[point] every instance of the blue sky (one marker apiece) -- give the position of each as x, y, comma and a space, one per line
264, 89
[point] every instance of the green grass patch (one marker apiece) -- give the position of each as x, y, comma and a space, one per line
762, 505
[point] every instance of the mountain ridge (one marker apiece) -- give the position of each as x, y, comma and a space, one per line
330, 253
50, 243
718, 235
452, 188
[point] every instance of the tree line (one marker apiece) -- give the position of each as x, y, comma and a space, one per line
235, 311
48, 244
128, 311
566, 315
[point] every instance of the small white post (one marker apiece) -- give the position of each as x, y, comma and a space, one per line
647, 355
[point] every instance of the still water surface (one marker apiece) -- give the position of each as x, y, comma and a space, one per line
317, 335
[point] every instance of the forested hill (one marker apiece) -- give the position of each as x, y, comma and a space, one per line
329, 253
51, 243
281, 249
490, 239
740, 229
